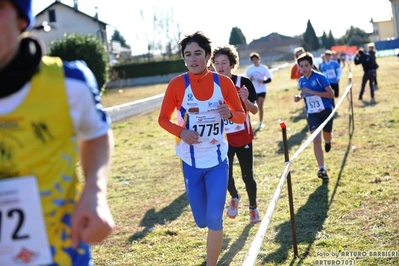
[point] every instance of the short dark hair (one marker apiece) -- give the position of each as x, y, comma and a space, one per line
230, 51
306, 56
198, 37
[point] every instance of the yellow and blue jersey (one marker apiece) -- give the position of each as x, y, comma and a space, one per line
38, 139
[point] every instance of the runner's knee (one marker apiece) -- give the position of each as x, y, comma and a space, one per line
215, 223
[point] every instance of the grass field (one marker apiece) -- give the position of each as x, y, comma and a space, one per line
356, 211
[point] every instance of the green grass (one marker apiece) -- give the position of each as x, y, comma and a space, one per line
356, 210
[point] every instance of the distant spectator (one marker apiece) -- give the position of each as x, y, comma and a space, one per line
369, 70
372, 54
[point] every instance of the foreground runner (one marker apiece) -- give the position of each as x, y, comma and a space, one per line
318, 95
202, 100
50, 116
239, 136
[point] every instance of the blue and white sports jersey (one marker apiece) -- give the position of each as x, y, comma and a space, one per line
316, 82
332, 71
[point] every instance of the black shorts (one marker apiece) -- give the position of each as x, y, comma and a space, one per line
316, 119
263, 95
335, 88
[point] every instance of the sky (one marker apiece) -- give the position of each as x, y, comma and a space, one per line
255, 18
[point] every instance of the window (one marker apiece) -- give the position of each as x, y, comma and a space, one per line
51, 15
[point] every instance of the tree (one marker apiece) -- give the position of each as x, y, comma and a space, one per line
162, 33
354, 36
237, 37
324, 41
116, 36
310, 40
83, 47
331, 39
356, 40
170, 33
327, 40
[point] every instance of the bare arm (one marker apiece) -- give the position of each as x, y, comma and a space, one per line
253, 108
244, 93
92, 221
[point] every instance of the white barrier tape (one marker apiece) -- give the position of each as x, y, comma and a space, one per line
130, 109
252, 254
250, 258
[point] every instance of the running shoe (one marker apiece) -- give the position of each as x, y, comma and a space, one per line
232, 211
254, 216
322, 174
327, 146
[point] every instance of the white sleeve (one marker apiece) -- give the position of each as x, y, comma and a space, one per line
248, 72
88, 122
89, 119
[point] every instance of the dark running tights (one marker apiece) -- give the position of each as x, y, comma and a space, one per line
245, 159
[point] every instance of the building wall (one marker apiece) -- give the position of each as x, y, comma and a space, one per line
271, 48
69, 21
395, 17
382, 30
386, 30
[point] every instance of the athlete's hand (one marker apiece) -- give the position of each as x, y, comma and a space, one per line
92, 220
189, 136
224, 110
243, 93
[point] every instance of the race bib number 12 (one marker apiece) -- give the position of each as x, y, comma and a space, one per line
23, 237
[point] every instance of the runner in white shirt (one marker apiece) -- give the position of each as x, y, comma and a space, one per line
260, 75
